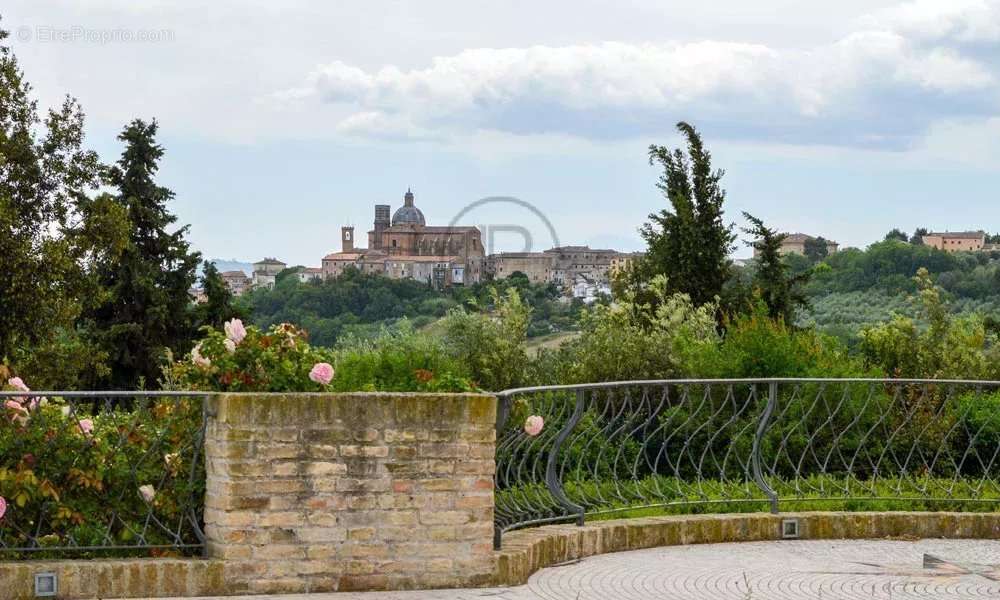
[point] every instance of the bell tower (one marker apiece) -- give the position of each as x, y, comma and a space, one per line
347, 239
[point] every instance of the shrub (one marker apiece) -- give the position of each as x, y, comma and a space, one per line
491, 345
249, 360
400, 360
88, 474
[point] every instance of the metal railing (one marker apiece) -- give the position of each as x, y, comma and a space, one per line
95, 474
682, 446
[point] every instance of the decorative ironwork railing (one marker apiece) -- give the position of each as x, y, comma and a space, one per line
653, 447
92, 474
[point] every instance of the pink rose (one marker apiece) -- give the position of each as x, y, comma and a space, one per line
86, 426
235, 330
198, 359
20, 413
18, 384
533, 425
147, 492
321, 373
3, 507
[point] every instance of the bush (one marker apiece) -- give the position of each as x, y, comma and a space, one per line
96, 475
398, 360
281, 360
491, 345
248, 360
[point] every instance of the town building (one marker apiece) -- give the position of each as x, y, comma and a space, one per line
536, 266
405, 247
567, 266
956, 241
265, 272
622, 261
307, 274
236, 281
795, 243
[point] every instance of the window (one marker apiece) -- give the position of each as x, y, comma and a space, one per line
393, 243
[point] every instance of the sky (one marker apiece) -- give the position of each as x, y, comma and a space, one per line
283, 121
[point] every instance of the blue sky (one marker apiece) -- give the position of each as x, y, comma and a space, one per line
283, 121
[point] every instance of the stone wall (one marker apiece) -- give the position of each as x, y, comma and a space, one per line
318, 492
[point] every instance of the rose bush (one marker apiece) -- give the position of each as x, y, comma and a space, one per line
246, 359
73, 473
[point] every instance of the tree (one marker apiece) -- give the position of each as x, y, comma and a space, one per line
816, 249
896, 234
50, 230
148, 308
688, 241
917, 239
218, 306
780, 291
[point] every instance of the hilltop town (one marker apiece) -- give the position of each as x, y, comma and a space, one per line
406, 247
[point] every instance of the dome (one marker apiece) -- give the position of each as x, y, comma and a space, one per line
408, 214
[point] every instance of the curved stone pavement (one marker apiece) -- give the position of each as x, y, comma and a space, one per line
776, 570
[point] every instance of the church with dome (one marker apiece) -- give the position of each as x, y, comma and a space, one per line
405, 247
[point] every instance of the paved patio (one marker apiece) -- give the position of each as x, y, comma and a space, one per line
819, 569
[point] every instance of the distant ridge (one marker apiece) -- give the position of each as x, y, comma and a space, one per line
231, 264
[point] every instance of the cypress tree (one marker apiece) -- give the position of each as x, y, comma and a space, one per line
781, 292
148, 307
688, 241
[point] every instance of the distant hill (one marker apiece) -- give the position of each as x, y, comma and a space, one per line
231, 265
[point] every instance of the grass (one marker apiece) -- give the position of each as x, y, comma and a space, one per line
658, 495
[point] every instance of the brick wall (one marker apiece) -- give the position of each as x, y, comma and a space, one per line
318, 492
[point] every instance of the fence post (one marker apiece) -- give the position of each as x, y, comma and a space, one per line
552, 479
503, 413
765, 419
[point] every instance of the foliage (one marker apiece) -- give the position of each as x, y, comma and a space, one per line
282, 360
219, 305
780, 291
354, 304
50, 231
398, 360
816, 248
147, 308
491, 344
278, 360
361, 305
688, 242
949, 347
896, 234
66, 469
634, 338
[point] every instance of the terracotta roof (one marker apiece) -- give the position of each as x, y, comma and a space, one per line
522, 255
233, 274
269, 261
343, 256
415, 258
961, 235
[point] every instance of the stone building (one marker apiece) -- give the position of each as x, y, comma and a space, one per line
564, 266
795, 243
537, 266
265, 272
236, 281
405, 247
956, 241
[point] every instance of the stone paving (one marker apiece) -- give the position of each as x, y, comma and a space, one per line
799, 569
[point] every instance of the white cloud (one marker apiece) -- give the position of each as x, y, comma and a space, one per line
966, 21
880, 87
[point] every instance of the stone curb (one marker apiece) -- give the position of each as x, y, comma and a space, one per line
526, 551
